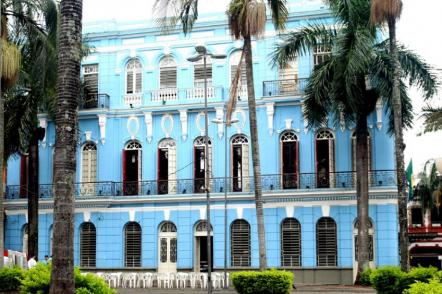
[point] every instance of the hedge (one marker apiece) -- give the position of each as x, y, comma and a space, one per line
10, 278
266, 282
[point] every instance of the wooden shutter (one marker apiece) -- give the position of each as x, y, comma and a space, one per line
326, 243
138, 82
132, 245
88, 245
172, 184
290, 242
240, 243
168, 77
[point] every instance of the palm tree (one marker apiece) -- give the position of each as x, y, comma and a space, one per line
428, 184
348, 84
432, 118
389, 11
68, 89
247, 19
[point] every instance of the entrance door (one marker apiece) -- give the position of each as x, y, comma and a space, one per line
131, 163
237, 168
163, 171
201, 256
167, 247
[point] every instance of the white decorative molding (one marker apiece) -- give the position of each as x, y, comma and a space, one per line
198, 120
290, 211
270, 107
133, 126
166, 50
183, 119
86, 216
239, 212
43, 122
132, 215
88, 135
167, 124
148, 121
288, 123
379, 113
203, 213
166, 214
220, 116
240, 115
325, 210
102, 124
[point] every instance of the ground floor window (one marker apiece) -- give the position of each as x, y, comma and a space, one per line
132, 245
240, 243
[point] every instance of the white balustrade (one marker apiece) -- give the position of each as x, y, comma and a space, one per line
198, 93
134, 99
166, 94
242, 92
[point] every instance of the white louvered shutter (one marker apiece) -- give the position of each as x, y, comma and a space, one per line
290, 242
245, 167
172, 184
326, 244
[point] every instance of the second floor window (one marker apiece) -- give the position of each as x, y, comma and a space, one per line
235, 59
321, 53
198, 74
168, 73
90, 77
133, 76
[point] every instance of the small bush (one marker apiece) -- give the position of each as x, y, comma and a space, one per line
91, 283
272, 281
421, 274
10, 278
365, 277
388, 280
433, 287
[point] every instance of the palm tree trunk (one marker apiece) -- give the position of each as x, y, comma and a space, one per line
399, 150
362, 193
2, 196
255, 153
68, 88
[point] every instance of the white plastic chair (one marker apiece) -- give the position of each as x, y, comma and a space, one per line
203, 280
216, 280
181, 280
145, 279
192, 279
116, 278
130, 280
163, 280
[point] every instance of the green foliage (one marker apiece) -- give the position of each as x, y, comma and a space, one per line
10, 278
420, 274
37, 281
433, 287
388, 280
271, 281
365, 277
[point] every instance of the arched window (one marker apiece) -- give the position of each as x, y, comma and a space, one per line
25, 237
290, 242
240, 243
240, 163
88, 245
167, 166
167, 247
354, 158
326, 243
134, 79
168, 79
325, 159
88, 168
198, 73
234, 60
370, 241
288, 78
199, 167
132, 245
289, 160
132, 167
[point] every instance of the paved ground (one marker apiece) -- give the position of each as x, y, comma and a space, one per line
299, 290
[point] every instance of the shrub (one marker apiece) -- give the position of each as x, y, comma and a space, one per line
433, 287
91, 283
421, 274
272, 281
388, 280
10, 278
365, 277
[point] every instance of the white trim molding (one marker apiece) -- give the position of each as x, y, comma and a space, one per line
270, 107
183, 119
149, 122
102, 124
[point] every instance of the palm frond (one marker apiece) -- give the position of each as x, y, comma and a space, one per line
234, 91
279, 12
384, 10
10, 63
301, 42
169, 13
432, 118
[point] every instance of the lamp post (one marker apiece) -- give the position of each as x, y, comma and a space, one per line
219, 121
203, 53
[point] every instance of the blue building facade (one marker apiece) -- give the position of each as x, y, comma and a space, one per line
140, 160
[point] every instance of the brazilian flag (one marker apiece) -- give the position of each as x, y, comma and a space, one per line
410, 179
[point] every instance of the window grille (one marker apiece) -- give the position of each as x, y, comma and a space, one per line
240, 139
168, 227
133, 145
324, 135
133, 76
370, 240
290, 242
321, 53
201, 141
163, 253
87, 245
132, 242
289, 136
240, 243
168, 73
90, 77
173, 249
167, 143
202, 226
326, 244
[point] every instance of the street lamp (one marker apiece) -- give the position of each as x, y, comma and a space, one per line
203, 53
220, 121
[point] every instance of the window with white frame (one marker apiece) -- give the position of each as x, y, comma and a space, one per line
198, 74
326, 242
90, 77
370, 240
134, 78
325, 159
321, 53
132, 245
240, 243
168, 73
199, 174
289, 159
234, 61
88, 248
290, 242
240, 163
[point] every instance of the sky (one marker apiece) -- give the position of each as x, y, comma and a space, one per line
419, 29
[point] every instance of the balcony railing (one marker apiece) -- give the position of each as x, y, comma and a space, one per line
135, 99
93, 101
284, 87
270, 184
166, 94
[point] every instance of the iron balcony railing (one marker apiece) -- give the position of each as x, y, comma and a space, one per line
284, 87
270, 184
93, 101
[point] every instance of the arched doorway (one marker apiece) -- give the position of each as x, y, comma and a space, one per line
325, 159
201, 256
167, 247
370, 246
167, 166
131, 168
